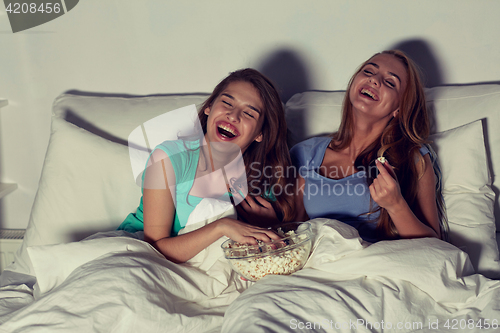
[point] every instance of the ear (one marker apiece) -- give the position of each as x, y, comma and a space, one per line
207, 111
259, 137
395, 113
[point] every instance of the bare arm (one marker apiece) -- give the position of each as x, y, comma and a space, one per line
183, 247
424, 222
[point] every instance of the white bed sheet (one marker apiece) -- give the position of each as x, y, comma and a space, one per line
345, 280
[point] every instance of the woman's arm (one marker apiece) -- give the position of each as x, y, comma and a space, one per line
183, 247
386, 192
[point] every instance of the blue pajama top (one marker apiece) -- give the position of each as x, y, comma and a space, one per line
346, 199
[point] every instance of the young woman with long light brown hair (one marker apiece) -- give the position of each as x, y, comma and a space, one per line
384, 115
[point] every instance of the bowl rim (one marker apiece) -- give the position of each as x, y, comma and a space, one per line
307, 231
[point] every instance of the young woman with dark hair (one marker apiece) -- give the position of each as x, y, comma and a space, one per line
242, 117
271, 154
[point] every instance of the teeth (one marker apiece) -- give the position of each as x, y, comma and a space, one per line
368, 92
227, 129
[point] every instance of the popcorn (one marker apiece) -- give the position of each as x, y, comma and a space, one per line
382, 159
285, 263
279, 258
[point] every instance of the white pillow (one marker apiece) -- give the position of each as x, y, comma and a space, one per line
86, 186
468, 195
454, 106
313, 113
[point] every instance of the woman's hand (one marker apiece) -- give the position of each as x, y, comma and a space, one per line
245, 233
257, 211
385, 189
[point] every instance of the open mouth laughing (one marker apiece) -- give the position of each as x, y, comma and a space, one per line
227, 131
368, 93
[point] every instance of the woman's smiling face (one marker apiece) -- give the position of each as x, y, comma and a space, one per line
236, 116
377, 89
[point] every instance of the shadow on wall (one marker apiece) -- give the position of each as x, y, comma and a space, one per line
288, 71
421, 53
74, 117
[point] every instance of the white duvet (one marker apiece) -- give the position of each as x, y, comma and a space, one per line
394, 286
346, 286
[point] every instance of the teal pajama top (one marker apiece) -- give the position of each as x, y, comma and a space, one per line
184, 156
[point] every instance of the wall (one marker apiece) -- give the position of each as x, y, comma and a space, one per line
148, 47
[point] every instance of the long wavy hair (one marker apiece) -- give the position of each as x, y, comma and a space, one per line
399, 142
272, 152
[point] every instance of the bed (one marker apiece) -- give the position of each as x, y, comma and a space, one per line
75, 273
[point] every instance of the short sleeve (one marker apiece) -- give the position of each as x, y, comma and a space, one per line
424, 150
309, 154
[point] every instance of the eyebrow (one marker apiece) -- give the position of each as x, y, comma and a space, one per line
393, 74
250, 106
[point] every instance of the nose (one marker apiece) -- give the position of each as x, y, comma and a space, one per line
374, 79
233, 115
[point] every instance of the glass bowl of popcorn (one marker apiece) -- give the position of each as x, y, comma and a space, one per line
279, 257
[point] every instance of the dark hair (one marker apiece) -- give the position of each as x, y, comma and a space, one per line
399, 142
273, 150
